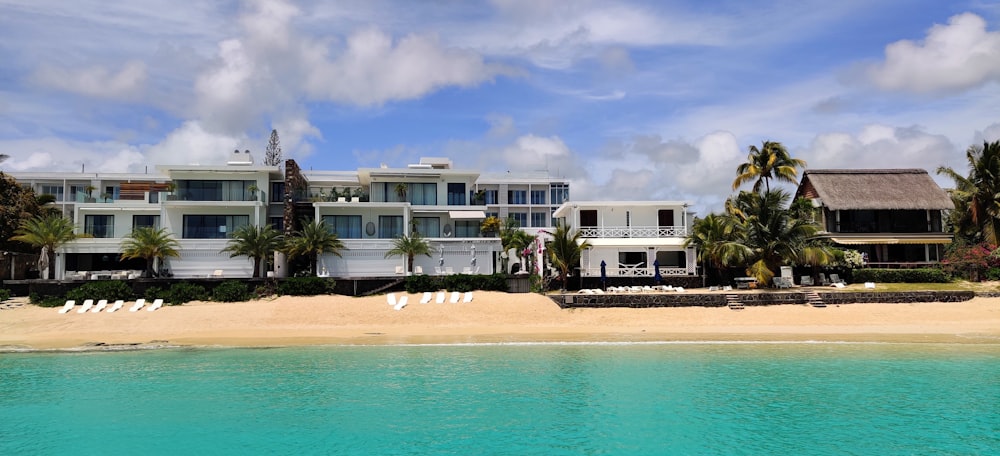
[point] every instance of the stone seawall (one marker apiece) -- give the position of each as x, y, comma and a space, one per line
718, 299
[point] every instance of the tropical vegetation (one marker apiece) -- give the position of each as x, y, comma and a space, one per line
976, 217
565, 249
256, 242
770, 161
150, 244
313, 240
409, 247
46, 232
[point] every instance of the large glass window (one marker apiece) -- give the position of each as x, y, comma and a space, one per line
491, 197
212, 226
538, 197
517, 197
538, 218
467, 228
54, 190
632, 259
277, 192
145, 221
77, 193
520, 217
558, 193
427, 226
99, 226
423, 194
456, 194
278, 223
346, 226
111, 193
390, 226
215, 190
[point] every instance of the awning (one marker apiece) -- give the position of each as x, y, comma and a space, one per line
890, 240
467, 215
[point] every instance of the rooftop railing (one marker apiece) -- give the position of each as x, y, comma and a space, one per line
632, 231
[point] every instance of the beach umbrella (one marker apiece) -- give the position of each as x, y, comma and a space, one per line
43, 261
473, 260
441, 260
604, 274
657, 278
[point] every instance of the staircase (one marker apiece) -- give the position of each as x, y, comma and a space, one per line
733, 300
813, 299
384, 287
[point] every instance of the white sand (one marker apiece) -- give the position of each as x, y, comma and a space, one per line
491, 317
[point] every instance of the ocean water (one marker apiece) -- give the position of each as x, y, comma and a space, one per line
552, 399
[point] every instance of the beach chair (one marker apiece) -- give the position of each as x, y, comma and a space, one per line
835, 278
138, 305
100, 306
391, 299
116, 306
467, 270
806, 281
216, 274
823, 280
454, 296
870, 285
440, 297
449, 270
399, 270
157, 303
598, 291
401, 303
468, 297
426, 298
68, 306
87, 304
727, 288
713, 288
437, 270
418, 269
679, 289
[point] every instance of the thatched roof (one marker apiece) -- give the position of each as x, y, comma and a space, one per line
841, 189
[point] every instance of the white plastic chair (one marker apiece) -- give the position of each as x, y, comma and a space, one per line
157, 303
68, 306
138, 305
100, 306
391, 299
440, 297
402, 302
454, 296
117, 306
468, 297
87, 304
426, 298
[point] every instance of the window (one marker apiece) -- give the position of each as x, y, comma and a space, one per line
424, 194
558, 193
456, 194
390, 226
492, 214
466, 228
538, 197
538, 218
427, 226
346, 226
217, 190
277, 192
520, 217
145, 221
491, 197
99, 226
78, 193
517, 197
632, 258
54, 190
212, 226
588, 218
111, 193
277, 223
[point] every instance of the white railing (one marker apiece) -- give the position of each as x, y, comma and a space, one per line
633, 272
633, 231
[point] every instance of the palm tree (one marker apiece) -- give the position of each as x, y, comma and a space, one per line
509, 228
520, 240
565, 249
313, 240
714, 237
977, 196
771, 161
256, 242
47, 232
149, 244
409, 247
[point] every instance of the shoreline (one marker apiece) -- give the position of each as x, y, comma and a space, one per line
492, 318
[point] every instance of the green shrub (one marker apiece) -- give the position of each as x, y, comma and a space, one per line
183, 292
231, 291
305, 286
152, 293
921, 275
993, 273
421, 283
4, 294
45, 300
268, 288
112, 290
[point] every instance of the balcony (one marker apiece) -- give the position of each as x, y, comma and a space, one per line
632, 231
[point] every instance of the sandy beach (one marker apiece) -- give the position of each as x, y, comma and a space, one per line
491, 318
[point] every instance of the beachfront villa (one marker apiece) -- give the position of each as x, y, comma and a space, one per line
632, 238
201, 205
892, 216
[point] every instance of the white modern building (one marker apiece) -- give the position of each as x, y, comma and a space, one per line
632, 237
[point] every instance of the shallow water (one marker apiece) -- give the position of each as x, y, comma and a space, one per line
679, 398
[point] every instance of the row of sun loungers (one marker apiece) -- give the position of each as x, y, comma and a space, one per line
428, 297
89, 306
634, 289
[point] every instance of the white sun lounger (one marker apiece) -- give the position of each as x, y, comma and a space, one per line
391, 299
68, 306
440, 297
402, 302
100, 305
117, 306
427, 297
138, 305
468, 297
87, 304
157, 303
454, 296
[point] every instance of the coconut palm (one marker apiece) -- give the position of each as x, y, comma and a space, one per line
977, 196
409, 247
313, 240
714, 237
256, 242
149, 244
47, 232
519, 241
770, 161
565, 249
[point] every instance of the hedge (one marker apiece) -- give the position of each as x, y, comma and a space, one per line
456, 282
231, 291
305, 286
112, 290
920, 275
4, 294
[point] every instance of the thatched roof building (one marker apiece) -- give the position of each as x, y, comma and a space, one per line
873, 189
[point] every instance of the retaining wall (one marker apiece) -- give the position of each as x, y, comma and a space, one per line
718, 299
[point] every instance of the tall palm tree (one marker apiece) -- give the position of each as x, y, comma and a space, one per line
256, 242
47, 232
520, 240
977, 196
409, 247
313, 240
770, 161
509, 228
149, 244
565, 249
714, 237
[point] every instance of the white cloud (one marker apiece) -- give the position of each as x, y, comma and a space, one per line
534, 153
95, 80
952, 58
881, 146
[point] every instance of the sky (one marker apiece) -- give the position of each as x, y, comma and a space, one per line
628, 100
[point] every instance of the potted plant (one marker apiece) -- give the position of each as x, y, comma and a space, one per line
89, 198
105, 197
490, 227
252, 189
171, 189
360, 194
479, 197
401, 190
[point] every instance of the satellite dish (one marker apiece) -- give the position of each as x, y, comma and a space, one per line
446, 230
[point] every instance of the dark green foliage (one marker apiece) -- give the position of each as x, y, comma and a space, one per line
921, 275
993, 273
45, 300
421, 283
112, 290
231, 291
155, 293
183, 292
268, 288
4, 295
305, 286
457, 282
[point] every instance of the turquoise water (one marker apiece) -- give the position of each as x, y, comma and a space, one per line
802, 399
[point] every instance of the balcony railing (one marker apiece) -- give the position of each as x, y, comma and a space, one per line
628, 271
632, 231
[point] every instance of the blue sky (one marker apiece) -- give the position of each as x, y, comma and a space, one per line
627, 99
